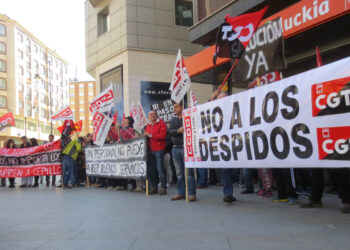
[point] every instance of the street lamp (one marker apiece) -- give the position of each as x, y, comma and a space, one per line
38, 77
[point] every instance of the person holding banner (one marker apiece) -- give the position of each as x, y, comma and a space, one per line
156, 132
10, 143
70, 153
226, 173
51, 139
25, 181
176, 131
34, 143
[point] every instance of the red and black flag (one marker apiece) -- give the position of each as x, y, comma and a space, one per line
234, 34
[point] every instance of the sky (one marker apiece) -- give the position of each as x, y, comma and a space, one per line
60, 24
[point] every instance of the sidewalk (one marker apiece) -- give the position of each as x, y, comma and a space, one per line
95, 218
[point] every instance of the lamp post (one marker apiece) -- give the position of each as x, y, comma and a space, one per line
48, 81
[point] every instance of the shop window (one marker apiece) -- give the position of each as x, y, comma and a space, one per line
2, 48
183, 13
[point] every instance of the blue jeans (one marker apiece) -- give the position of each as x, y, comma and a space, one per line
202, 176
68, 170
157, 169
178, 158
227, 181
248, 179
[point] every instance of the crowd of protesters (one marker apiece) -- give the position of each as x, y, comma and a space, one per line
163, 139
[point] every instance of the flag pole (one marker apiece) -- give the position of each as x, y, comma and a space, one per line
229, 73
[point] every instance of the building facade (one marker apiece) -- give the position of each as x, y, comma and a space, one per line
81, 93
305, 23
33, 82
133, 44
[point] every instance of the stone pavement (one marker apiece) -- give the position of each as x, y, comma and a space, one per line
93, 218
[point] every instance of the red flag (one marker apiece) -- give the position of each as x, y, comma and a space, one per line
318, 58
115, 118
265, 79
235, 33
7, 120
78, 126
123, 118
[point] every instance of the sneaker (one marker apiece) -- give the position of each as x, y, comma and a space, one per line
162, 191
300, 191
293, 201
308, 191
229, 198
345, 209
260, 192
247, 191
267, 195
276, 199
311, 204
138, 189
110, 188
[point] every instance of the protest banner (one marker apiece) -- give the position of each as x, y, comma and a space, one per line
164, 110
264, 53
35, 161
101, 124
139, 116
181, 80
64, 114
122, 160
300, 121
7, 120
103, 102
193, 100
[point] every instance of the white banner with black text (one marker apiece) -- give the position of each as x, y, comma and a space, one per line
122, 160
300, 121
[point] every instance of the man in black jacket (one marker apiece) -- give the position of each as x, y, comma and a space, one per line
175, 131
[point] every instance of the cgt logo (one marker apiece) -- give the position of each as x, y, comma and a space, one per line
333, 143
332, 97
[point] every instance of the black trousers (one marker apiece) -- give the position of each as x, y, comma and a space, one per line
317, 184
12, 181
341, 177
283, 181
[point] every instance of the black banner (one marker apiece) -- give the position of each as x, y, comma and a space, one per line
164, 110
264, 53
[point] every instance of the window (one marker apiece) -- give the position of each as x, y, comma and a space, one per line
183, 13
28, 45
103, 22
28, 62
72, 94
20, 54
2, 66
72, 102
81, 86
81, 110
2, 30
19, 123
91, 85
32, 126
72, 86
21, 106
35, 48
20, 37
28, 75
91, 93
81, 102
42, 69
3, 84
81, 94
3, 102
2, 48
20, 70
36, 66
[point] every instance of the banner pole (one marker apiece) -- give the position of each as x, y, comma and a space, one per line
147, 187
186, 194
229, 73
88, 181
